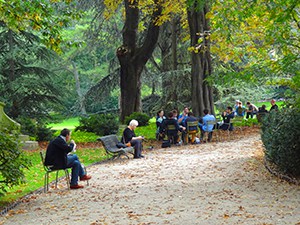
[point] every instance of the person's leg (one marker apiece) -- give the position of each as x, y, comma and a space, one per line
137, 144
77, 170
209, 136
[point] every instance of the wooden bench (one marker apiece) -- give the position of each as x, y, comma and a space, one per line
109, 143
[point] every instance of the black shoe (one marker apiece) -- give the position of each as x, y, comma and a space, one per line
141, 156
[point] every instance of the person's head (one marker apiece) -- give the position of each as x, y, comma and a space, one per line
273, 102
229, 109
175, 113
160, 113
205, 111
263, 106
190, 114
133, 124
186, 110
237, 102
248, 103
240, 104
170, 115
66, 133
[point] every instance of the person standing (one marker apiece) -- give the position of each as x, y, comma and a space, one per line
58, 157
130, 139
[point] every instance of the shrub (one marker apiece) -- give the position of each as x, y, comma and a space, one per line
280, 136
142, 118
100, 124
12, 162
44, 133
28, 126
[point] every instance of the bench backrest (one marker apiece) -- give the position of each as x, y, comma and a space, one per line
109, 141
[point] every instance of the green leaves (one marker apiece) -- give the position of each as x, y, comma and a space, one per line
12, 162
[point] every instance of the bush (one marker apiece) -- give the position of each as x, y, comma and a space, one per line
12, 162
44, 133
280, 136
142, 118
37, 130
100, 124
28, 126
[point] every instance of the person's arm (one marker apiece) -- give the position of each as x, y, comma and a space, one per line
61, 144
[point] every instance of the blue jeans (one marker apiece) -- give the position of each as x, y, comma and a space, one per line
77, 170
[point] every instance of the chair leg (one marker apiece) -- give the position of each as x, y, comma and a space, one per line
46, 182
67, 178
56, 179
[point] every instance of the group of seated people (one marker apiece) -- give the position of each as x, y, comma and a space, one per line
180, 123
250, 110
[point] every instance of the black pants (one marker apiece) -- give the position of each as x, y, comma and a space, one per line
137, 144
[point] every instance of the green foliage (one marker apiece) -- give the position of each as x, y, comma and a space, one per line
12, 162
28, 126
34, 129
81, 136
142, 118
147, 131
44, 133
280, 136
100, 124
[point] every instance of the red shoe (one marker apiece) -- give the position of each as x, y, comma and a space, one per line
85, 177
76, 186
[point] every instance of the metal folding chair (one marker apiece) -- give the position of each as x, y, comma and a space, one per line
48, 169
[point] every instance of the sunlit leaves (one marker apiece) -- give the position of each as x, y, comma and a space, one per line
40, 16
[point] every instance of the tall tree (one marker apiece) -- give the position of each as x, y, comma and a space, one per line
133, 56
202, 95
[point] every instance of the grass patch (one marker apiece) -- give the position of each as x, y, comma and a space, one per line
70, 123
35, 176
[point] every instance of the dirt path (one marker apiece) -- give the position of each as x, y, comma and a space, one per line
215, 183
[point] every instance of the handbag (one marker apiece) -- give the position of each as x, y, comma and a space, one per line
166, 144
121, 145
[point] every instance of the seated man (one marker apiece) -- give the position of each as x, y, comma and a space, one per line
57, 156
182, 117
130, 139
252, 109
191, 129
172, 134
240, 110
227, 116
204, 126
159, 119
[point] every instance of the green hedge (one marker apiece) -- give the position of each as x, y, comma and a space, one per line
281, 138
100, 124
142, 118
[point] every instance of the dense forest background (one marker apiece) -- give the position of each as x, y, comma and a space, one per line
86, 57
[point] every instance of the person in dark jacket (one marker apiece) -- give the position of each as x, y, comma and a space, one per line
172, 134
227, 116
57, 155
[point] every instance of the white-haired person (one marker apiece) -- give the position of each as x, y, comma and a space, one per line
130, 139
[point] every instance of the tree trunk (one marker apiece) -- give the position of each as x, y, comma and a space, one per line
202, 96
169, 63
81, 99
133, 58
